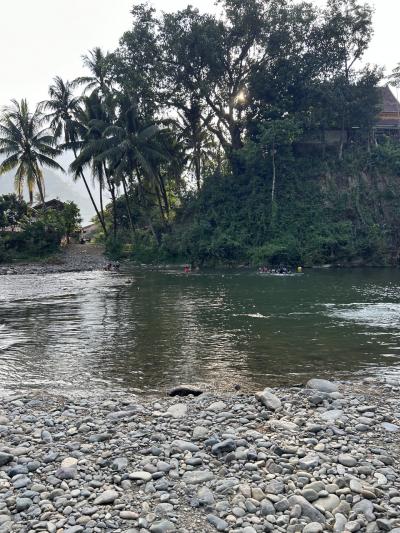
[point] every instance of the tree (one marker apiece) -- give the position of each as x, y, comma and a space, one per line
93, 118
71, 219
28, 147
12, 210
394, 78
63, 110
97, 62
349, 31
126, 147
273, 134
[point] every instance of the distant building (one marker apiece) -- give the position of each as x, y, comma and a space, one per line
388, 122
55, 203
88, 232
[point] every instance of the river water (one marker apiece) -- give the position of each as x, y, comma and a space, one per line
143, 330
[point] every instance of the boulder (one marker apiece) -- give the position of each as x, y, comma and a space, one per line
307, 509
185, 390
322, 385
269, 399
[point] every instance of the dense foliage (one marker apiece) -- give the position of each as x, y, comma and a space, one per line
246, 136
27, 232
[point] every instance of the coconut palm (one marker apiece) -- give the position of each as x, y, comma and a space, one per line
128, 147
28, 146
94, 118
63, 109
99, 80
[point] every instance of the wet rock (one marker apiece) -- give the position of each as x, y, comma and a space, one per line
184, 390
22, 504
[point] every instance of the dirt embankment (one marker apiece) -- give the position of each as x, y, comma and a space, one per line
73, 258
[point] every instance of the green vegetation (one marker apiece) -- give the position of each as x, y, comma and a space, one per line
246, 137
27, 233
28, 146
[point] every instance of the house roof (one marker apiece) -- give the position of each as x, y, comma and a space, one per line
52, 204
390, 104
89, 228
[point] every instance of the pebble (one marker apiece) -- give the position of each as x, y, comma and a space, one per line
107, 497
298, 461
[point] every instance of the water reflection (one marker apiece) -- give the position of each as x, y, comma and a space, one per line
148, 330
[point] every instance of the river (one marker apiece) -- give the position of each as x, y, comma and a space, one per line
145, 331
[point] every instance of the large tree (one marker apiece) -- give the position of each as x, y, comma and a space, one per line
62, 111
28, 147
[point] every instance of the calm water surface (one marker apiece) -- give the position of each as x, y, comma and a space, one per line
149, 330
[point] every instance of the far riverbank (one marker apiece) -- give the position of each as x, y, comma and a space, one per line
73, 258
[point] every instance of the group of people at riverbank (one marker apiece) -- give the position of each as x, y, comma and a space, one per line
280, 270
112, 267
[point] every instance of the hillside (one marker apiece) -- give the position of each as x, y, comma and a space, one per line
325, 212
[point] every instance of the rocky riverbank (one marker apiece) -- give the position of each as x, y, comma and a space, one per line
314, 459
73, 258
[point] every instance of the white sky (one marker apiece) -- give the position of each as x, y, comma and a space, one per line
43, 38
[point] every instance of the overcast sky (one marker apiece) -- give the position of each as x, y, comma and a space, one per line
43, 38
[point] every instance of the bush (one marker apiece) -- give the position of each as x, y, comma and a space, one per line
114, 248
275, 254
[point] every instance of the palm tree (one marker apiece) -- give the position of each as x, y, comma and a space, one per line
132, 149
28, 147
128, 148
99, 80
63, 109
94, 118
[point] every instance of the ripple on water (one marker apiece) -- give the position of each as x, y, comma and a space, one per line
377, 315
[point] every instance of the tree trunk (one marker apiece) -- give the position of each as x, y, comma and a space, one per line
273, 176
101, 219
128, 207
144, 202
41, 192
160, 206
101, 185
164, 194
197, 168
114, 208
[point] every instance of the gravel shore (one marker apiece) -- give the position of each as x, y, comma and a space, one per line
74, 258
314, 459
